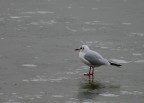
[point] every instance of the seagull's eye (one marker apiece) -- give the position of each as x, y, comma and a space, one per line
82, 48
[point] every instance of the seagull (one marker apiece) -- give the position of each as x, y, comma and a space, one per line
93, 59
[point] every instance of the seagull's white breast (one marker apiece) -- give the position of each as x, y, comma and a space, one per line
81, 56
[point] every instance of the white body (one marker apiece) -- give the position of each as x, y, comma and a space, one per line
91, 58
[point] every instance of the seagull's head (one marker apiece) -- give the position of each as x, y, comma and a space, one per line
83, 48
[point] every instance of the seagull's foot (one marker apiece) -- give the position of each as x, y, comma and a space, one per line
88, 74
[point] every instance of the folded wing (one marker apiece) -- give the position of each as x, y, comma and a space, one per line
95, 58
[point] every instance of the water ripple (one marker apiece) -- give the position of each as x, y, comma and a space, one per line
139, 61
131, 93
137, 54
137, 34
108, 95
120, 61
43, 78
38, 12
29, 65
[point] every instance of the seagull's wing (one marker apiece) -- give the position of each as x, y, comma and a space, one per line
95, 58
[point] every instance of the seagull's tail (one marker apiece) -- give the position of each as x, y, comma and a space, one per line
115, 64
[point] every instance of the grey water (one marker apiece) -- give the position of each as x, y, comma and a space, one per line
38, 63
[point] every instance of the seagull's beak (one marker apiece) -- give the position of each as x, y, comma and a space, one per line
77, 49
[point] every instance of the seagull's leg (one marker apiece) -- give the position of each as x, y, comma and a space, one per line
92, 71
89, 73
92, 74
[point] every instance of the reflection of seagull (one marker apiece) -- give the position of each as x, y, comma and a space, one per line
93, 59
